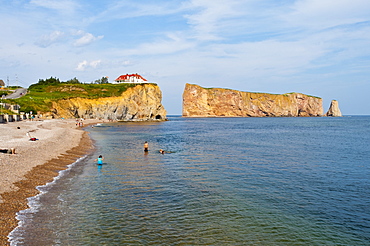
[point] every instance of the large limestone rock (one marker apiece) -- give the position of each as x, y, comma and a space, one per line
139, 103
334, 110
202, 102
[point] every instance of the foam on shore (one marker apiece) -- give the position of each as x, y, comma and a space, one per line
15, 198
34, 203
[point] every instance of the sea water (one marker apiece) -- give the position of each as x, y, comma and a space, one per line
224, 181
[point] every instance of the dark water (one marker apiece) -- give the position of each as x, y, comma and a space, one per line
228, 181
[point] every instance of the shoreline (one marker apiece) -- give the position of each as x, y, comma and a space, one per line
60, 143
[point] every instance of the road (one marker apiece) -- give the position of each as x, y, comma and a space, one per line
16, 94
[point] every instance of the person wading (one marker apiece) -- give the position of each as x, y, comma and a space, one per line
146, 146
100, 160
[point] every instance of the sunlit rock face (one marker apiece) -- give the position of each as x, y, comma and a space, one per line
217, 102
334, 110
139, 103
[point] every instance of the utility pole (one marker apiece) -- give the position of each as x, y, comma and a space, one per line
2, 105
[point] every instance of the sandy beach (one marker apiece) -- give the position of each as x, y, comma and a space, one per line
59, 143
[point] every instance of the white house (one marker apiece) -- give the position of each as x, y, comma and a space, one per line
130, 78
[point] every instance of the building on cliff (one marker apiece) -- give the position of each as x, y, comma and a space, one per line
130, 78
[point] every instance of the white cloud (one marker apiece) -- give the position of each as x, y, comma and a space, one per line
134, 9
324, 14
50, 39
209, 16
59, 36
95, 64
126, 63
84, 65
86, 39
172, 44
66, 6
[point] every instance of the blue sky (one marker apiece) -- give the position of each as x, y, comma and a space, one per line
316, 47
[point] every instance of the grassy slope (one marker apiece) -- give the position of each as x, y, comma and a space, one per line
286, 94
5, 111
39, 97
5, 91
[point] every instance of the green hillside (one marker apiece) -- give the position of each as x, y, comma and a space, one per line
40, 96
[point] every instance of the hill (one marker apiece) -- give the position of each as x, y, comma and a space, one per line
40, 97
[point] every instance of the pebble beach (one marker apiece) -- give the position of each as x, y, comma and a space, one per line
58, 143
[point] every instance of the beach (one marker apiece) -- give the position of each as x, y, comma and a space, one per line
58, 143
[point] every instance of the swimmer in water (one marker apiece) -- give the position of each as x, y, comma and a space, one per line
146, 146
161, 151
100, 160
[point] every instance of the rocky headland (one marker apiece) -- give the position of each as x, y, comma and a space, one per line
218, 102
139, 103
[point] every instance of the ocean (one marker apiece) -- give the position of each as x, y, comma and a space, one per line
222, 181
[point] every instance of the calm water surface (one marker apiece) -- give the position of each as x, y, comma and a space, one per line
227, 181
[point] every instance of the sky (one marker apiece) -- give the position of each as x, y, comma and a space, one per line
315, 47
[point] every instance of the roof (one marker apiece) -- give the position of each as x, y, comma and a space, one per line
128, 76
2, 82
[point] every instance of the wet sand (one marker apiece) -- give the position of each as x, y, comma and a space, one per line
59, 143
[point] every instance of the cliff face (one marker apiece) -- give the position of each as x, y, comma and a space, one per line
201, 102
334, 110
139, 103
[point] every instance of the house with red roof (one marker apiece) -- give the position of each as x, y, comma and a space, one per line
130, 78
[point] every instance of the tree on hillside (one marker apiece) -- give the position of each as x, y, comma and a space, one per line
49, 81
73, 81
103, 80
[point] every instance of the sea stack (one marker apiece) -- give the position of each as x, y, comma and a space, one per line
334, 110
218, 102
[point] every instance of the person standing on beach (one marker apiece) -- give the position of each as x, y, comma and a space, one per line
100, 160
146, 146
